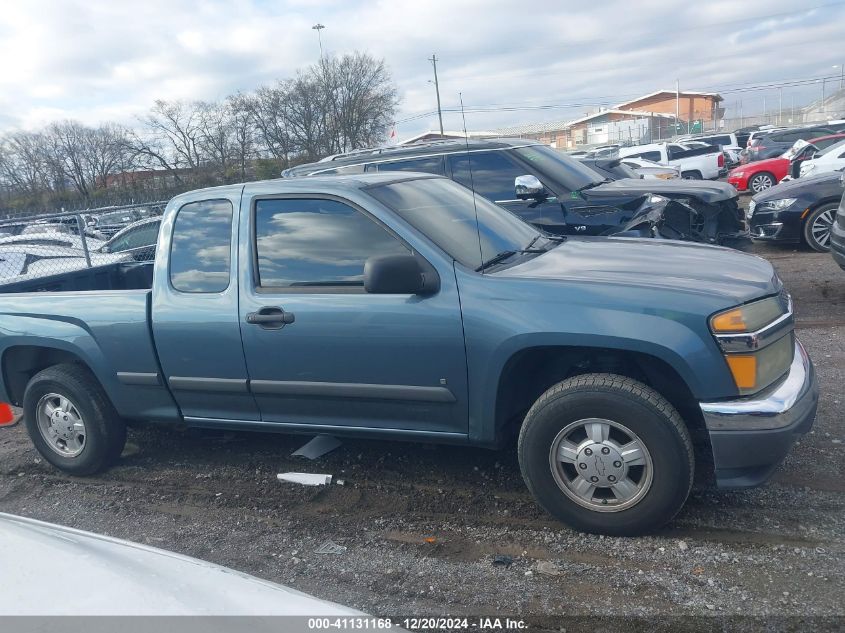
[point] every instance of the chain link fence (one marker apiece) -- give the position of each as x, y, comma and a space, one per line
79, 250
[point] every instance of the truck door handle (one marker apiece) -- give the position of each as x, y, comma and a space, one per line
271, 318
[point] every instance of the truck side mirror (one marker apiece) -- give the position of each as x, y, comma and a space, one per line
399, 274
529, 186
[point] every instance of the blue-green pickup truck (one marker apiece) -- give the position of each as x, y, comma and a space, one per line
400, 306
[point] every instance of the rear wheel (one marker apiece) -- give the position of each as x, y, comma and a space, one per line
761, 182
691, 175
71, 421
606, 454
817, 227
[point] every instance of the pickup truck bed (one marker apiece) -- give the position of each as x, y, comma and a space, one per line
118, 276
117, 345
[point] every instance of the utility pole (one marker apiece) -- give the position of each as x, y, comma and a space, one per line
764, 110
677, 105
433, 60
824, 80
780, 106
319, 27
740, 113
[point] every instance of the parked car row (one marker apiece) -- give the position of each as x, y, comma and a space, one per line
52, 246
565, 196
763, 174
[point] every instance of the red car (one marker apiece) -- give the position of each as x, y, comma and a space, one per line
762, 174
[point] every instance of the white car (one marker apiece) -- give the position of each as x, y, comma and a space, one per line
52, 238
649, 169
20, 262
831, 158
60, 571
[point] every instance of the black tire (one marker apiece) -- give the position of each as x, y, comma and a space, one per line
816, 221
692, 175
627, 402
105, 432
760, 182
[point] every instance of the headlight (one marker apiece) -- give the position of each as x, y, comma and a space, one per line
777, 205
737, 174
751, 206
757, 341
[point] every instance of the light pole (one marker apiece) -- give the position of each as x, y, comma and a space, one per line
433, 60
319, 27
841, 68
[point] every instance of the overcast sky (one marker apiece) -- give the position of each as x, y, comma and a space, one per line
98, 60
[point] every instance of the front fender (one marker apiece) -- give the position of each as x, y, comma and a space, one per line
560, 316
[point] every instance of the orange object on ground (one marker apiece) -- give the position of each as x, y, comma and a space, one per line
7, 416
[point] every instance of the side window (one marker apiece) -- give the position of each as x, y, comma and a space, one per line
428, 165
315, 242
493, 173
138, 237
348, 169
200, 252
652, 156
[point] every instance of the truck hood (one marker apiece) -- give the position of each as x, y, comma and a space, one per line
668, 264
706, 191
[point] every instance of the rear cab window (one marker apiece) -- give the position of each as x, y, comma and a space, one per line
200, 251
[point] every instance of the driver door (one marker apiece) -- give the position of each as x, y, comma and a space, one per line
343, 357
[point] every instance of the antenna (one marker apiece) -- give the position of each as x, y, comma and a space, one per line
471, 182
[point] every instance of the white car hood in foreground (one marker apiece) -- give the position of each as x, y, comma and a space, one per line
47, 569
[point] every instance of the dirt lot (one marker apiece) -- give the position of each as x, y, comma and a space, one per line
775, 550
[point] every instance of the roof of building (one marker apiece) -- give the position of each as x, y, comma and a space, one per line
640, 113
683, 93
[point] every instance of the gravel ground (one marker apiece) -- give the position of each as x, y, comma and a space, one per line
422, 524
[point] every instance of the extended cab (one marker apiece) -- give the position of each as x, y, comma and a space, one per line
402, 306
694, 164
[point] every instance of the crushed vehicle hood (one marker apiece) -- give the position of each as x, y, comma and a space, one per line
667, 264
706, 191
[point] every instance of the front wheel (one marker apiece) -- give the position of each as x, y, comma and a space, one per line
761, 182
606, 454
817, 227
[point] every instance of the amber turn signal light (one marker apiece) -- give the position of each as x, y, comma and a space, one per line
744, 370
732, 321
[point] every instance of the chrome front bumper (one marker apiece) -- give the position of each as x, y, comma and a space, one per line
785, 404
751, 437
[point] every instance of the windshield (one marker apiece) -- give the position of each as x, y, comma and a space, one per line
832, 148
559, 167
443, 210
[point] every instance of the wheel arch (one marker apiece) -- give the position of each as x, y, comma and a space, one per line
529, 372
21, 362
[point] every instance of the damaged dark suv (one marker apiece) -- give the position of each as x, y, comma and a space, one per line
558, 194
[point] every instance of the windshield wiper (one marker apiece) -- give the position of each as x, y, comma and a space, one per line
595, 184
496, 259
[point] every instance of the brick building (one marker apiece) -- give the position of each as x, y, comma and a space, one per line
692, 106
